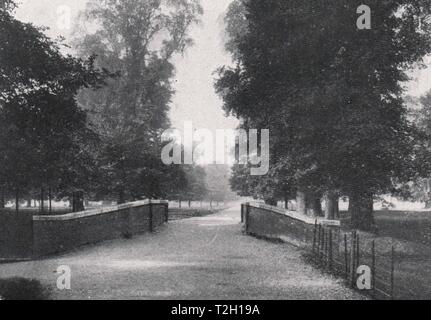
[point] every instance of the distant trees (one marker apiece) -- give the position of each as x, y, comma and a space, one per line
419, 189
331, 95
136, 39
104, 142
195, 188
217, 182
45, 142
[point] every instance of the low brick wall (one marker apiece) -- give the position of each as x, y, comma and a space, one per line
16, 235
56, 234
277, 224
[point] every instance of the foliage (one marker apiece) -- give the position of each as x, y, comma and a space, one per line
44, 137
137, 39
330, 93
217, 182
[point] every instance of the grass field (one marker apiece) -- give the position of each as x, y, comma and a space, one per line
410, 234
413, 259
407, 225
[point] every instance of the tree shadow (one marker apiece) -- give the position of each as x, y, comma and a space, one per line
22, 289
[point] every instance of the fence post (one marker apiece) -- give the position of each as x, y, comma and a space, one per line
352, 259
150, 222
330, 250
392, 272
373, 267
319, 241
167, 212
242, 213
314, 236
346, 256
247, 213
322, 253
358, 248
324, 243
325, 246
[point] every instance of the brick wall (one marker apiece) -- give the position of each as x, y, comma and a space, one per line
16, 235
56, 234
274, 223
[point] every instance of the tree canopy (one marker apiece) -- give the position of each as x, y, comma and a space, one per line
44, 137
136, 39
331, 93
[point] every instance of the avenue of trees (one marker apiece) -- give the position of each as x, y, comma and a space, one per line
332, 96
88, 126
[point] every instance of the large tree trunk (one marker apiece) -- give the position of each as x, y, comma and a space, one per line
361, 211
332, 209
80, 205
314, 206
301, 202
78, 201
308, 203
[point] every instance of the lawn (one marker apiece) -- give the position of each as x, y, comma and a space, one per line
407, 225
410, 234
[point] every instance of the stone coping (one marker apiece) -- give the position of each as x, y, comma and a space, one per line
295, 215
95, 212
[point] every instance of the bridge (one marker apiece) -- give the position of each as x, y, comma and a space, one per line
206, 257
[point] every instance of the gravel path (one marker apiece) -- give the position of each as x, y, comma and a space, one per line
197, 258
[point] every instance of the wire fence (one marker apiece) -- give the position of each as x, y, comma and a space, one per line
348, 254
385, 267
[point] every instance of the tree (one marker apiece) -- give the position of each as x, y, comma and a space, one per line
419, 189
377, 146
331, 94
195, 188
43, 131
138, 40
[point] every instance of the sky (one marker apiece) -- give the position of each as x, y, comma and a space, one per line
195, 99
